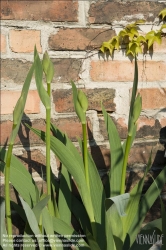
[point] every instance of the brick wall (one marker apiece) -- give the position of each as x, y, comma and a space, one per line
72, 32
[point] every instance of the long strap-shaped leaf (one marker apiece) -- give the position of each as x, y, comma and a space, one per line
20, 178
32, 221
116, 153
98, 201
4, 242
147, 201
67, 231
73, 166
135, 196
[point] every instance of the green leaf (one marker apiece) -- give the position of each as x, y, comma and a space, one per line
49, 229
134, 31
122, 33
32, 221
134, 91
25, 186
163, 26
67, 231
146, 202
140, 21
98, 200
73, 166
92, 243
20, 105
37, 209
29, 243
80, 213
141, 39
135, 196
3, 233
39, 83
64, 200
120, 201
116, 155
115, 211
163, 13
64, 138
79, 111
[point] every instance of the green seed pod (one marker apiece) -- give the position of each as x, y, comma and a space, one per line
82, 100
50, 72
45, 62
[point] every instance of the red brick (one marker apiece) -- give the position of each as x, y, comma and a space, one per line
101, 156
153, 98
64, 101
34, 161
3, 44
66, 69
24, 41
103, 12
122, 71
14, 70
79, 39
120, 125
57, 11
148, 127
140, 153
66, 125
9, 99
26, 137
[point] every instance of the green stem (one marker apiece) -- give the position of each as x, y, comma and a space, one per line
85, 154
7, 191
48, 168
127, 150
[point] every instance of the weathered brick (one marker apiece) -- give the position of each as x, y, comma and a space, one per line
157, 95
150, 128
64, 102
120, 125
66, 125
26, 137
79, 38
66, 69
147, 127
3, 44
101, 156
24, 41
140, 153
103, 12
122, 71
51, 10
14, 70
34, 161
9, 99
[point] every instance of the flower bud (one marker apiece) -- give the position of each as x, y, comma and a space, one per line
45, 62
50, 72
82, 100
